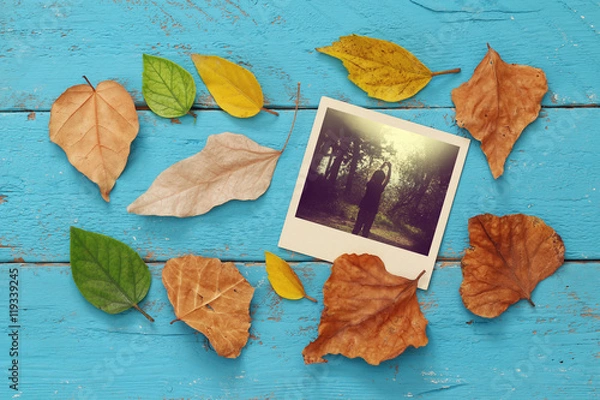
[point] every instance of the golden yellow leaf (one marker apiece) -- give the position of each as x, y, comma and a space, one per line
234, 88
283, 278
383, 69
95, 128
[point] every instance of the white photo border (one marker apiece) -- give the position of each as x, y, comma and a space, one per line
326, 243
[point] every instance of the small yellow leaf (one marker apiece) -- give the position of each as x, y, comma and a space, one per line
234, 88
283, 278
383, 69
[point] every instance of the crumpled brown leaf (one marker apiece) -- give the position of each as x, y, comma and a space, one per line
508, 257
497, 103
231, 166
95, 128
211, 297
369, 313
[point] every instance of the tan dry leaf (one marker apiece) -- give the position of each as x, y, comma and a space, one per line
508, 257
497, 103
211, 297
95, 128
231, 166
369, 313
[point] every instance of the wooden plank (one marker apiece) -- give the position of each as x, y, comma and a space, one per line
71, 350
49, 45
552, 173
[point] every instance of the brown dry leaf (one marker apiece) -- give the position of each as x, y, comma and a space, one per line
95, 127
211, 297
508, 257
497, 103
230, 167
369, 313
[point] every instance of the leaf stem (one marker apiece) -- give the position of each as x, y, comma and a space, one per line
193, 114
269, 111
89, 83
531, 302
294, 120
447, 71
310, 298
144, 313
175, 320
420, 275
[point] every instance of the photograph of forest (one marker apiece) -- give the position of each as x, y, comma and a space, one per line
377, 181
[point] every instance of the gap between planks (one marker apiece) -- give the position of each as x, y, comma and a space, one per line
252, 263
143, 107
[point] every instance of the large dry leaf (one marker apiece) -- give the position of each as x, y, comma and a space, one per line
497, 103
383, 69
508, 257
231, 166
211, 297
368, 313
95, 127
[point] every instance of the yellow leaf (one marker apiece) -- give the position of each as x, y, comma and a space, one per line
383, 69
283, 278
234, 88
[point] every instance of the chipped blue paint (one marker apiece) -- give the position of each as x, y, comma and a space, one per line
552, 173
50, 44
70, 350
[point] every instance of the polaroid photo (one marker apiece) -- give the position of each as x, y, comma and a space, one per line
373, 183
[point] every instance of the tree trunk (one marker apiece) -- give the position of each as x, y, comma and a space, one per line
335, 169
353, 166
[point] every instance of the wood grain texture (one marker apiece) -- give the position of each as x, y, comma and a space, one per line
71, 350
552, 173
51, 44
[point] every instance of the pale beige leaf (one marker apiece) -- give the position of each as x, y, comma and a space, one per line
231, 166
211, 297
95, 128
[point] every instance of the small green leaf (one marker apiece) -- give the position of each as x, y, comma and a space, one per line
108, 273
168, 89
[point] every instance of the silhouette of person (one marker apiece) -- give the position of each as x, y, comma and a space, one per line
370, 202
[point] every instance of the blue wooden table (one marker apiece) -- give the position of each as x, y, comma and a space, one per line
70, 350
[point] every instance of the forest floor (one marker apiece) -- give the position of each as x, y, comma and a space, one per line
377, 233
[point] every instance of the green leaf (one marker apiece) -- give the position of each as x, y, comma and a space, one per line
108, 273
168, 89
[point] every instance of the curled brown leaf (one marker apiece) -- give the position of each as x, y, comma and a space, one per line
508, 257
369, 313
497, 103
